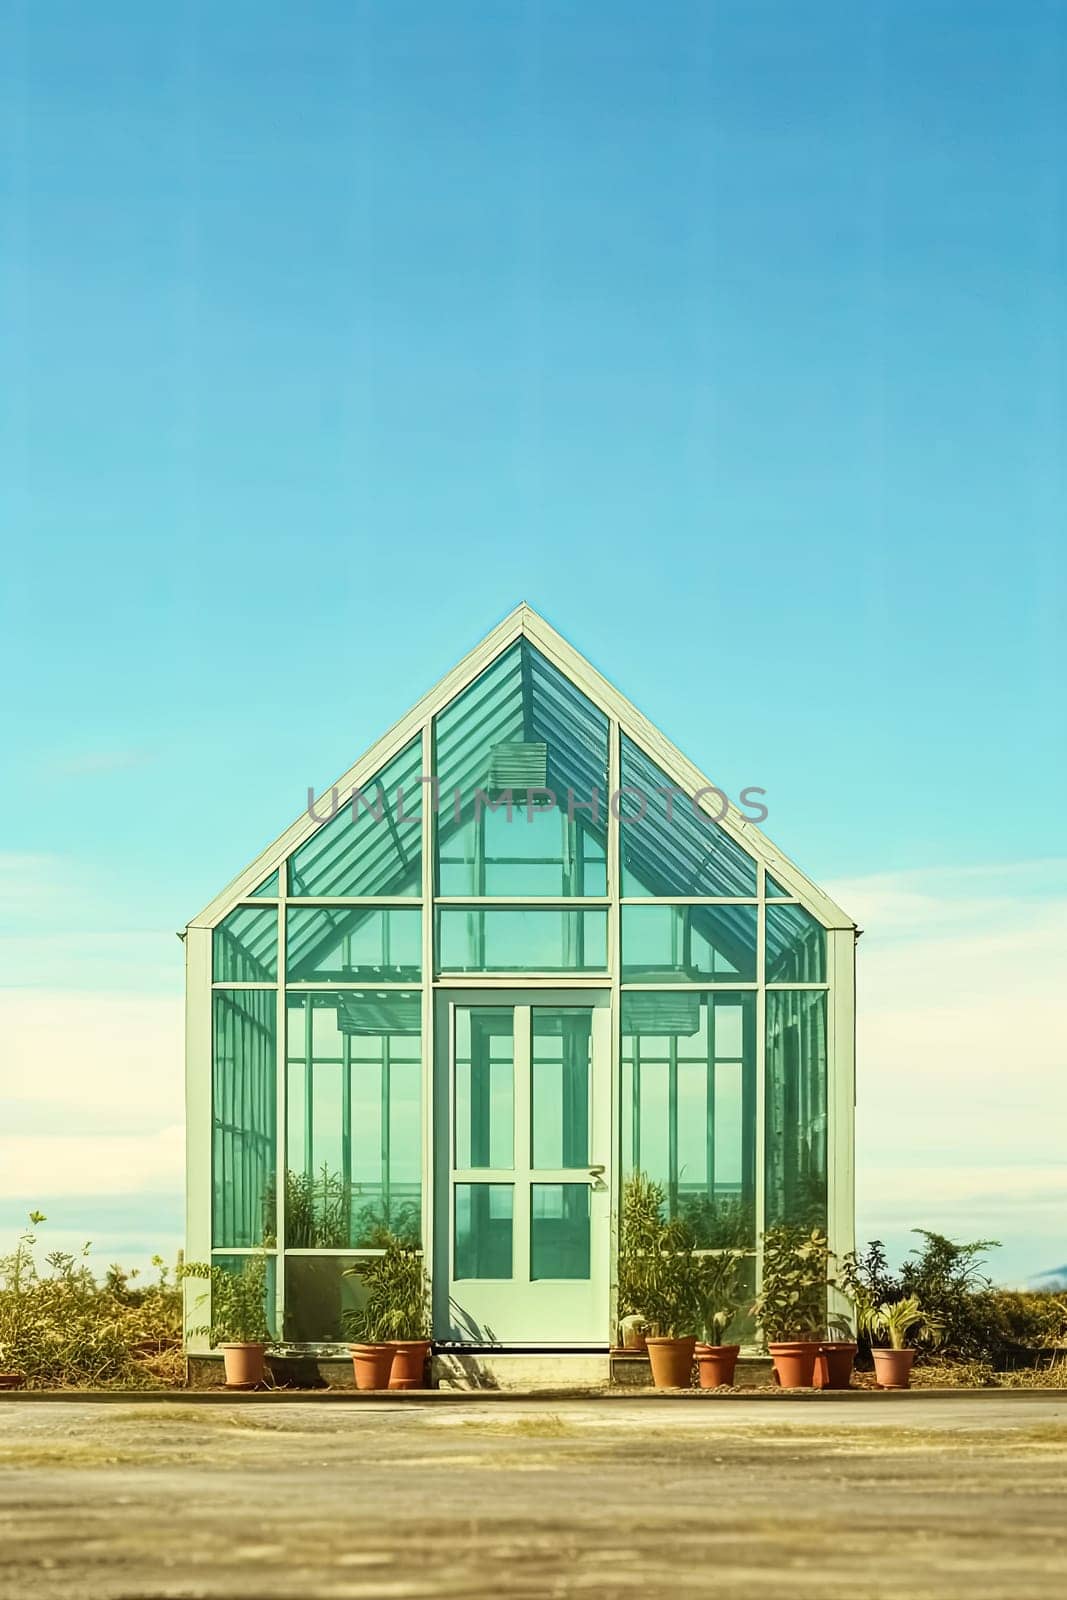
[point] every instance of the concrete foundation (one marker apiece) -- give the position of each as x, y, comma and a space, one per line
454, 1369
294, 1371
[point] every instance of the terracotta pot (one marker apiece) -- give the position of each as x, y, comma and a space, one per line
409, 1364
833, 1365
12, 1380
671, 1361
892, 1368
245, 1365
794, 1362
372, 1365
717, 1363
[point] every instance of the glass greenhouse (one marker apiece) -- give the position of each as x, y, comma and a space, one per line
521, 949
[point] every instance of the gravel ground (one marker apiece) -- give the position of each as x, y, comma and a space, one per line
632, 1498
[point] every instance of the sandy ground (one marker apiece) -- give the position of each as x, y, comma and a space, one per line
629, 1498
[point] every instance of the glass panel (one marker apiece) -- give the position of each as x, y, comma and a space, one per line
521, 940
742, 1330
559, 1230
796, 946
244, 946
354, 1110
243, 1101
773, 890
483, 1236
321, 1299
237, 1266
796, 1107
519, 730
522, 850
267, 889
679, 944
335, 944
559, 1087
670, 846
689, 1107
484, 1086
372, 844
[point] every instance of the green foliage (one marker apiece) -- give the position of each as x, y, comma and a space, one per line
896, 1320
378, 1223
791, 1303
238, 1301
947, 1280
660, 1277
726, 1222
398, 1296
317, 1211
977, 1324
722, 1292
321, 1214
60, 1328
1014, 1322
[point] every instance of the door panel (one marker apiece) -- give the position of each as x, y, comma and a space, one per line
523, 1137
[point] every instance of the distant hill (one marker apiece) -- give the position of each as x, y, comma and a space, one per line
1056, 1279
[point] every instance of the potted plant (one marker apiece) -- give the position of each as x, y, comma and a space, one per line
393, 1328
833, 1364
837, 1355
238, 1317
722, 1293
892, 1366
660, 1278
791, 1304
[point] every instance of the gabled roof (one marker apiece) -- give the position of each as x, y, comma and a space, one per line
524, 622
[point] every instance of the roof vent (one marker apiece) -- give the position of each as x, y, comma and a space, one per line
668, 1016
376, 1015
518, 767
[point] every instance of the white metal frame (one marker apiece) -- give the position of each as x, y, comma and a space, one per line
623, 718
523, 999
525, 622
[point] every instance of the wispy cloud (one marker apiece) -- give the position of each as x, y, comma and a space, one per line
71, 1055
29, 883
98, 762
95, 1164
63, 925
93, 1127
962, 1057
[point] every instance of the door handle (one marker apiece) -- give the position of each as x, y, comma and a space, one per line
596, 1172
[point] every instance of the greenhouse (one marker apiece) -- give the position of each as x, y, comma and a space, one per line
522, 950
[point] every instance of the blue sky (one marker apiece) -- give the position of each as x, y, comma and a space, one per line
732, 337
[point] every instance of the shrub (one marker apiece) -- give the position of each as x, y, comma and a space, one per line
977, 1323
791, 1303
660, 1277
722, 1292
60, 1328
238, 1301
321, 1214
398, 1296
726, 1222
1015, 1322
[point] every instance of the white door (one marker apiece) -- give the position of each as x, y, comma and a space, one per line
527, 1209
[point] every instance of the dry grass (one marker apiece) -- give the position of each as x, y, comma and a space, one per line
980, 1375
